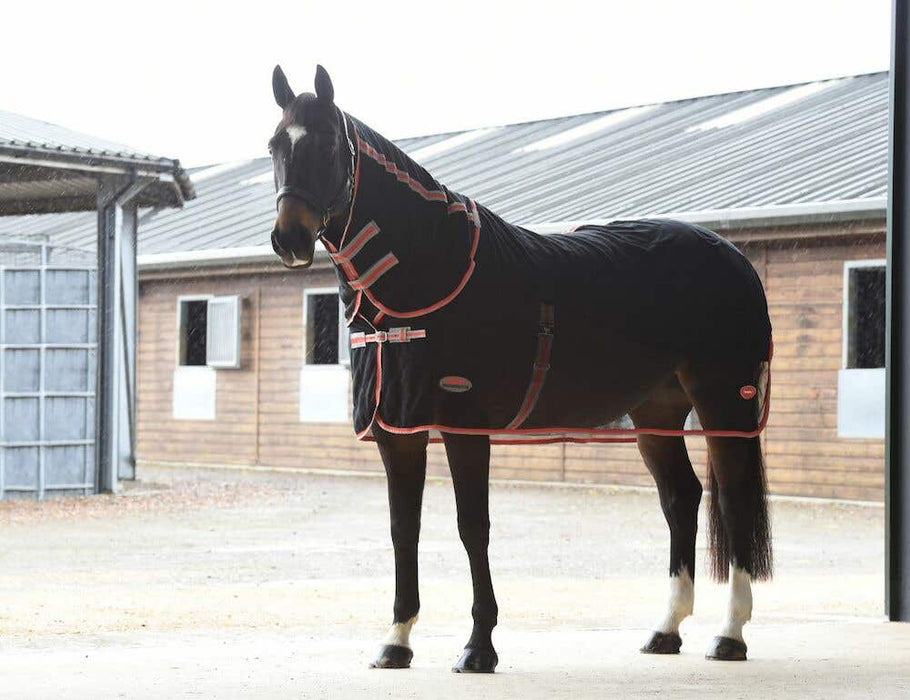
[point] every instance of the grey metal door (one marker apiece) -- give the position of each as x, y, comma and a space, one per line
48, 360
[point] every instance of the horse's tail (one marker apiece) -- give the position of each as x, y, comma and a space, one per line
755, 515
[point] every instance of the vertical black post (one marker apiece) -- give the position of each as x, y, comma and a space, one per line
115, 388
106, 413
897, 436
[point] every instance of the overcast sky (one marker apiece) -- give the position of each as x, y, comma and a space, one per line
192, 80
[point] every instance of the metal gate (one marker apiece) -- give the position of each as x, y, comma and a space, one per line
48, 361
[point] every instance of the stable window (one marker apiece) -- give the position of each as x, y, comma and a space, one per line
325, 380
864, 310
327, 339
861, 381
208, 331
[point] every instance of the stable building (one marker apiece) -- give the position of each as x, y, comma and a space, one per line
241, 361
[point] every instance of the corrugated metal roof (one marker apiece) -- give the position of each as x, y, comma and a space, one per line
47, 167
25, 131
825, 145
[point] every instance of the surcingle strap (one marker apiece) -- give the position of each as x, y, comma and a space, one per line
541, 366
393, 335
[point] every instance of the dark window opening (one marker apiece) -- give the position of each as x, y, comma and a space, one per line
322, 329
193, 332
866, 318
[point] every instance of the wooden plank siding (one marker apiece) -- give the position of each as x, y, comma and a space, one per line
257, 411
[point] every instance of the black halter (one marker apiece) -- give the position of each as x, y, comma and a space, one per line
339, 200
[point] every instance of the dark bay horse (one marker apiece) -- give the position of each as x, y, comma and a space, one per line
471, 330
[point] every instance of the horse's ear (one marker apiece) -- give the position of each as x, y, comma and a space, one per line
283, 93
324, 89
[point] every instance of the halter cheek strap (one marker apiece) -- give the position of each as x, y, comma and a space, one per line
312, 200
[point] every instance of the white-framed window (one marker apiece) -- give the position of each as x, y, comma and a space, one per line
861, 380
326, 337
208, 338
325, 379
208, 331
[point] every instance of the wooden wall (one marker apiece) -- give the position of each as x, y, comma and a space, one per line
257, 406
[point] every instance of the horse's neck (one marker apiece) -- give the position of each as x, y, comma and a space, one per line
403, 227
389, 186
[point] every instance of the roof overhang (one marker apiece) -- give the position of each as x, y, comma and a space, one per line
752, 217
728, 220
215, 257
41, 180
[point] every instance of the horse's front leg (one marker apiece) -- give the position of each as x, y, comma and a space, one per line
405, 460
469, 462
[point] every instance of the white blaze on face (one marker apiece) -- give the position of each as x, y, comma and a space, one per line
739, 607
400, 633
681, 602
295, 133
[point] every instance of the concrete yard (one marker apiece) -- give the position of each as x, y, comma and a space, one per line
258, 584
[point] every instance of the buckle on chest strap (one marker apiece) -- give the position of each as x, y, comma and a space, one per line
393, 335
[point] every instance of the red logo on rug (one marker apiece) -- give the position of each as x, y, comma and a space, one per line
457, 385
748, 392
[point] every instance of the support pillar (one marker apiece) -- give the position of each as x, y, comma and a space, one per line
115, 397
897, 361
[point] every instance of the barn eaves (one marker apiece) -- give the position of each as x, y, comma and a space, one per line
47, 168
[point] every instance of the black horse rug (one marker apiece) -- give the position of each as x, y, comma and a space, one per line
461, 322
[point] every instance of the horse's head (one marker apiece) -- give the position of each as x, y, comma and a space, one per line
313, 160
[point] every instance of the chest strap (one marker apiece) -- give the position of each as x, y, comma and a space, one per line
393, 335
541, 366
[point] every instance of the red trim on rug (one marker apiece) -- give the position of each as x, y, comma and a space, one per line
494, 440
402, 176
551, 440
590, 434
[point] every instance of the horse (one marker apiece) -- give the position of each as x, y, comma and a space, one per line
523, 338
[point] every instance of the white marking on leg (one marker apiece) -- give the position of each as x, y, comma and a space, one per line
400, 633
295, 133
681, 602
739, 608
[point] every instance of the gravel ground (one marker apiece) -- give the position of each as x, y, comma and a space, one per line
210, 557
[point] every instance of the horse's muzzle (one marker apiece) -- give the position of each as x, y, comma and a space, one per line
293, 254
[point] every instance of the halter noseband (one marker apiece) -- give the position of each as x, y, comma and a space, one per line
312, 200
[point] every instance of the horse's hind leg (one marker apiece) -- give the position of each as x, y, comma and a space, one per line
740, 537
405, 460
680, 494
469, 462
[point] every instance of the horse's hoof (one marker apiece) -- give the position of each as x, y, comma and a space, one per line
393, 656
727, 649
662, 643
476, 661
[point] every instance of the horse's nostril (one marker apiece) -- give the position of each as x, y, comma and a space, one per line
276, 246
